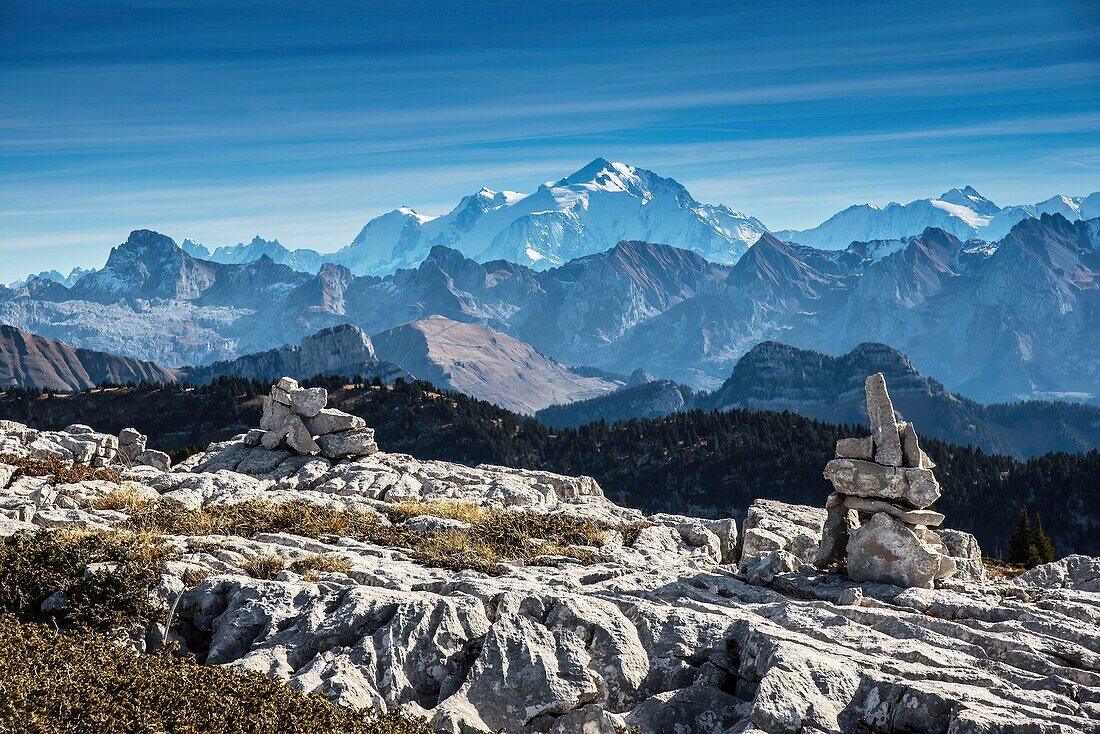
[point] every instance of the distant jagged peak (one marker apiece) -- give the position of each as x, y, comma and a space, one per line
148, 241
969, 197
638, 377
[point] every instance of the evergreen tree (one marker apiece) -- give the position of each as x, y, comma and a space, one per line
1044, 549
1021, 547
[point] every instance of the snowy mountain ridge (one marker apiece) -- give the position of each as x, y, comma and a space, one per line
964, 212
581, 214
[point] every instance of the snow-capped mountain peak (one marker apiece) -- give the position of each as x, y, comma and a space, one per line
969, 197
586, 212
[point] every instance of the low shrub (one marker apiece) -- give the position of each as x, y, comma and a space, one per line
35, 567
80, 683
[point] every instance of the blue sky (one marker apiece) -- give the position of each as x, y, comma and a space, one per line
301, 121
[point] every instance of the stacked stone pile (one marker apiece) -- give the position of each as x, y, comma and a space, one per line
878, 517
296, 418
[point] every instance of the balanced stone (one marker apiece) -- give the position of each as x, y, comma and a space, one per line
839, 523
917, 488
884, 426
856, 448
928, 518
887, 551
910, 445
309, 401
287, 384
330, 420
274, 415
298, 436
357, 442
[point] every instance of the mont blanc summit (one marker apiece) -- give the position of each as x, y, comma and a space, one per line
581, 214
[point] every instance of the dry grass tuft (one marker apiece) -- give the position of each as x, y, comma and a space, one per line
495, 536
320, 563
266, 566
80, 683
452, 510
62, 472
124, 499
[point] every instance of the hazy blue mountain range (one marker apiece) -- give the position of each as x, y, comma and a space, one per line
993, 321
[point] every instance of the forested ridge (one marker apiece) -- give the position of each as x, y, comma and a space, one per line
698, 462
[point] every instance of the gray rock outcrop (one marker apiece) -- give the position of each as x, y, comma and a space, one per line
659, 630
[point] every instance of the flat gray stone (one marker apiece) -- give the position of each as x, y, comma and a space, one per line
287, 384
856, 448
309, 401
917, 488
928, 518
357, 442
331, 420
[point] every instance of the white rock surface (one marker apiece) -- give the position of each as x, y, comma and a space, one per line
656, 633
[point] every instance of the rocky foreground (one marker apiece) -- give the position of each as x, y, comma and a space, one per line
651, 623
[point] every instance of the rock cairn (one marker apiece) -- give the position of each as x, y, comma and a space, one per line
296, 418
877, 516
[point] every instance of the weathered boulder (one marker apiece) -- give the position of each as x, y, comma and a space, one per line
298, 436
331, 420
357, 442
154, 458
771, 525
884, 426
308, 402
1072, 572
887, 551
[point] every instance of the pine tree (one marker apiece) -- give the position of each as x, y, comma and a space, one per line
1021, 548
1044, 549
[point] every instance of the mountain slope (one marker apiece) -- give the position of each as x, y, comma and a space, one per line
27, 360
487, 364
774, 376
581, 214
340, 350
